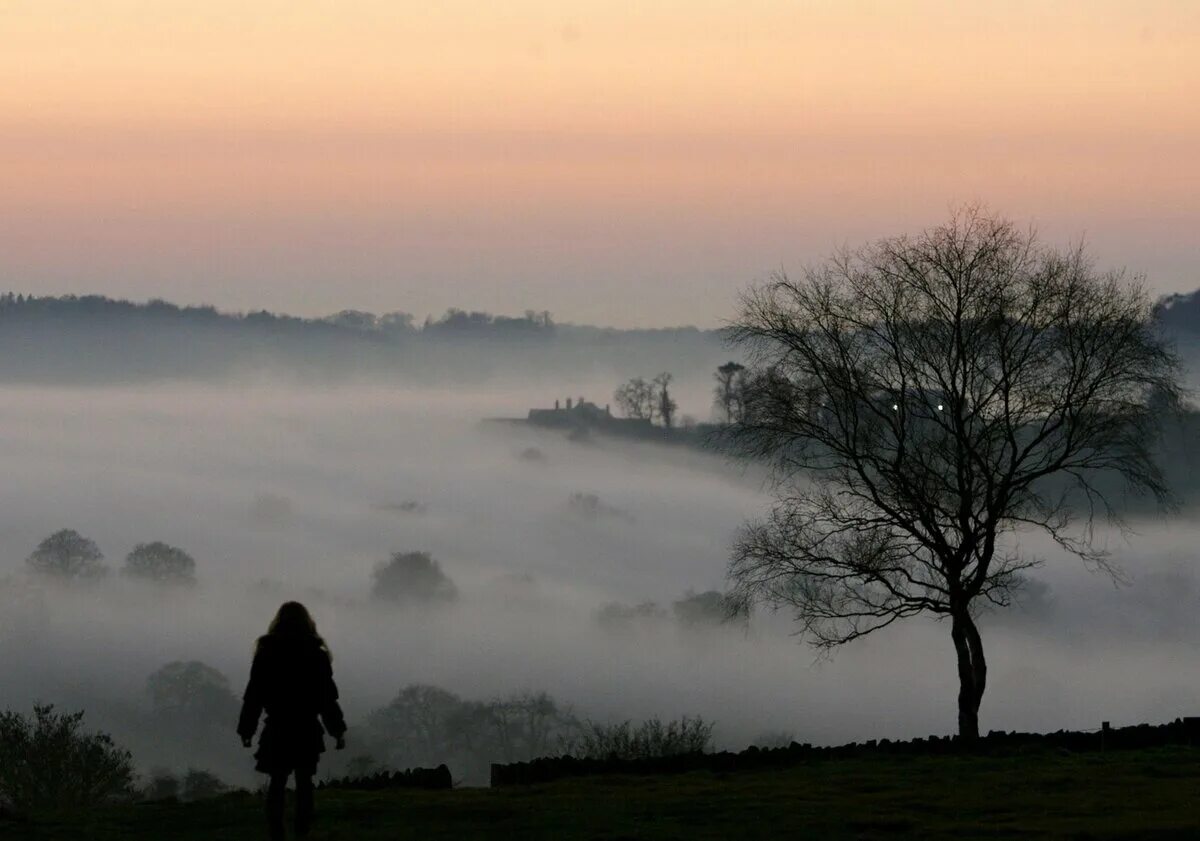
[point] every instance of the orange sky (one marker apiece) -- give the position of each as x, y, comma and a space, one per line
626, 163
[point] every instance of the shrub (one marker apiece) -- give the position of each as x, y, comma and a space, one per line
201, 785
163, 785
708, 608
616, 616
48, 764
193, 691
589, 506
412, 577
652, 738
68, 554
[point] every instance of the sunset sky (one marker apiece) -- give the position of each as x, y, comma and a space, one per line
617, 163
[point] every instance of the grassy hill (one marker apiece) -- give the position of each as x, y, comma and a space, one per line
1150, 794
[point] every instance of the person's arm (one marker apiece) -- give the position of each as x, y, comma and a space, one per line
330, 710
252, 702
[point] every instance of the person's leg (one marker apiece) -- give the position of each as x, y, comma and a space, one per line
276, 791
304, 803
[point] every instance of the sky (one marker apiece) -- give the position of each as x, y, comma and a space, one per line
632, 164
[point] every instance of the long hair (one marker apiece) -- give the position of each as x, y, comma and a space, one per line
293, 621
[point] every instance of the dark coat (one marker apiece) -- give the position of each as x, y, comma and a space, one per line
291, 679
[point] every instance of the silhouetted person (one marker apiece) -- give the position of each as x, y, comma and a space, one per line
292, 680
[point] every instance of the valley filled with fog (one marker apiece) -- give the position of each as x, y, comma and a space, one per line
300, 492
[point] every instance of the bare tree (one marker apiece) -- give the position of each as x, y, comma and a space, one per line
636, 399
664, 404
727, 394
922, 400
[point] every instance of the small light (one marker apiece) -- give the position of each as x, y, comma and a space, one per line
939, 407
895, 407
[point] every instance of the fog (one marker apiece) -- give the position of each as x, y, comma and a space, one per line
288, 492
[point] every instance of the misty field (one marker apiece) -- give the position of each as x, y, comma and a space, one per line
1153, 794
282, 492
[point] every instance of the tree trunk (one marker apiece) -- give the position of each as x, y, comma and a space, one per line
972, 674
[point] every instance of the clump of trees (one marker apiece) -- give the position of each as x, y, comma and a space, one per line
412, 578
68, 555
161, 563
193, 692
426, 725
196, 784
648, 399
708, 609
921, 401
49, 764
485, 324
650, 739
618, 616
693, 611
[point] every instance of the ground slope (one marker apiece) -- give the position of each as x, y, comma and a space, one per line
1152, 794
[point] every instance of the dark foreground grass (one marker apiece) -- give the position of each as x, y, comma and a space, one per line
1152, 794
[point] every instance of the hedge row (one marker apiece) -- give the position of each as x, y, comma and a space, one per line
428, 778
1184, 731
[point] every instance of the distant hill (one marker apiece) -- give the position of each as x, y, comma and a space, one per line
96, 339
93, 339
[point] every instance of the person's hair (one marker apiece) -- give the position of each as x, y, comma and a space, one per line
293, 621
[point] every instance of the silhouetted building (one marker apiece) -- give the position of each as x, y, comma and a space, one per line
581, 414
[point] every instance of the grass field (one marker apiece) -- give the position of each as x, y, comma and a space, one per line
1153, 794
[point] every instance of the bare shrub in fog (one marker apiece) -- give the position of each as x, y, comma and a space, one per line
161, 785
532, 454
192, 691
48, 764
772, 739
709, 608
67, 554
652, 738
591, 507
412, 577
617, 616
427, 725
270, 510
522, 726
922, 399
202, 785
408, 506
422, 726
161, 563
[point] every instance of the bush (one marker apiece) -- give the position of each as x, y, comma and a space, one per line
427, 726
192, 691
161, 563
163, 785
652, 738
412, 577
68, 554
618, 616
589, 506
47, 763
708, 608
201, 785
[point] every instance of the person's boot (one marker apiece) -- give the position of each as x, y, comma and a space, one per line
276, 795
304, 807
